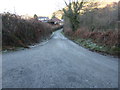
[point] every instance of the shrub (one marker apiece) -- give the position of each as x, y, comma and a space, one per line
109, 38
20, 32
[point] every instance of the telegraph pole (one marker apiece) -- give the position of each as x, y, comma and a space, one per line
14, 10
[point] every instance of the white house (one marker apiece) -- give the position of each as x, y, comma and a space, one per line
43, 19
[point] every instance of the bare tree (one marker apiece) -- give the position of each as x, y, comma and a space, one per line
35, 17
72, 13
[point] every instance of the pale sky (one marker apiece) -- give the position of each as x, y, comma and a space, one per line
31, 7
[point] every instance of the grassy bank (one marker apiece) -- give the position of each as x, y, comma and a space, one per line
88, 40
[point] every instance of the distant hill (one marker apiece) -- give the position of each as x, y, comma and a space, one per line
59, 13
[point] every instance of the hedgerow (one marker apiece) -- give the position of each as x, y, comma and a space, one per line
18, 32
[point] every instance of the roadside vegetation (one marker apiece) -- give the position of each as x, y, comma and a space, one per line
18, 32
96, 28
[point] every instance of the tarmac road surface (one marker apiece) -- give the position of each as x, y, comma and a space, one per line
60, 63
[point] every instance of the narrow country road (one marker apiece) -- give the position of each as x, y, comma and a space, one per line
59, 63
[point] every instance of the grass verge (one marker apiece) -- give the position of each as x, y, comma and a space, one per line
89, 44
